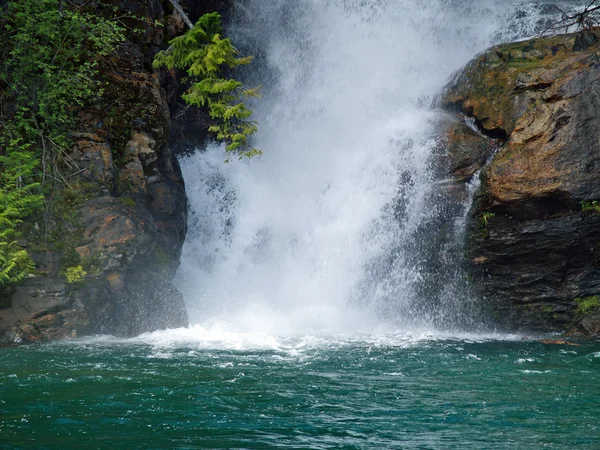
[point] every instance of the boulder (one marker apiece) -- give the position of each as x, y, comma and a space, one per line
533, 237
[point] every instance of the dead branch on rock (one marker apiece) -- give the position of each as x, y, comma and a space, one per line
182, 13
586, 19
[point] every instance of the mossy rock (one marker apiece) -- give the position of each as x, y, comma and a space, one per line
587, 305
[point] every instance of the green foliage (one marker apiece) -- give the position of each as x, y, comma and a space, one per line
587, 305
15, 263
74, 274
48, 53
206, 57
19, 196
485, 218
50, 65
593, 206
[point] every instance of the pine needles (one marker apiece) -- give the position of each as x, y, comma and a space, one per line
207, 57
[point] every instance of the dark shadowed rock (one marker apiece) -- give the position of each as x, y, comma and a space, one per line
584, 40
464, 151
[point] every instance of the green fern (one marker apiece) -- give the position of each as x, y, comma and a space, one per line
206, 56
19, 197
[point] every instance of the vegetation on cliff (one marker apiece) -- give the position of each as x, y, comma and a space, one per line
111, 196
48, 55
49, 58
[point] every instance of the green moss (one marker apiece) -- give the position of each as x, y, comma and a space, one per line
58, 227
126, 101
119, 132
65, 229
592, 205
548, 309
527, 307
587, 305
92, 264
525, 64
160, 259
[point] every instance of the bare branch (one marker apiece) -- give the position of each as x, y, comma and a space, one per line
186, 19
182, 13
583, 20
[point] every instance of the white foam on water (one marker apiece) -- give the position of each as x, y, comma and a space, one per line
225, 336
279, 245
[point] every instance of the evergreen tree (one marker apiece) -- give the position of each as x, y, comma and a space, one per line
207, 57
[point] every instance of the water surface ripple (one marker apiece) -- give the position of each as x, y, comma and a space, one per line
394, 392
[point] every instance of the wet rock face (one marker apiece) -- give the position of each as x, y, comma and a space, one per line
125, 221
465, 150
534, 234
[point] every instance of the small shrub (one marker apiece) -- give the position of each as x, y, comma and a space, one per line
483, 223
74, 274
592, 205
485, 218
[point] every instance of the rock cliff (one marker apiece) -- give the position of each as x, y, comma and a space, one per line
123, 219
534, 235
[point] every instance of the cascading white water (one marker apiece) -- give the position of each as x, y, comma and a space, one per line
318, 235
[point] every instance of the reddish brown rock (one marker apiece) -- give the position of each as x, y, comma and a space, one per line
558, 342
543, 98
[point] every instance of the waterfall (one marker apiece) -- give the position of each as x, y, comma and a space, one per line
329, 231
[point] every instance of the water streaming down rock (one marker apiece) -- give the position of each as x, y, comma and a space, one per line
339, 227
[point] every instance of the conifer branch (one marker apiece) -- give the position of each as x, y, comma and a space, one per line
208, 59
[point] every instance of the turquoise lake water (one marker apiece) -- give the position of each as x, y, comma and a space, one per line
303, 392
